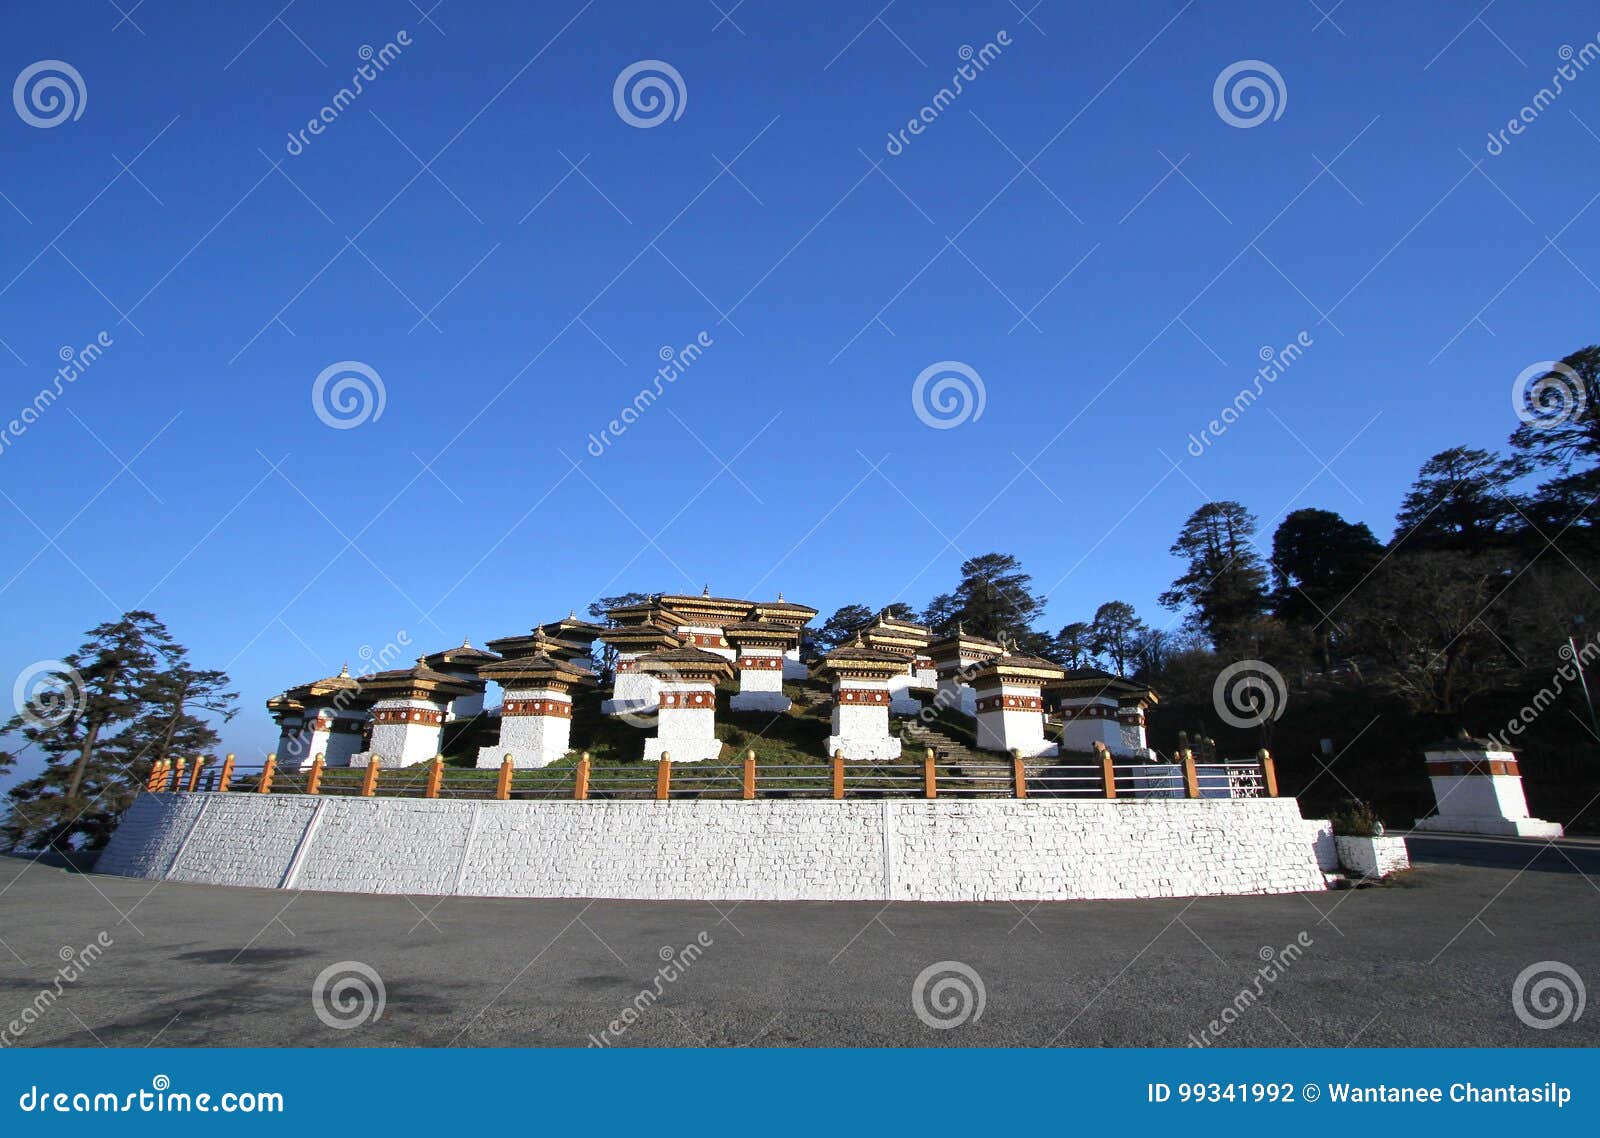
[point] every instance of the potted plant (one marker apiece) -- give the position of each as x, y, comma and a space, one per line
1364, 848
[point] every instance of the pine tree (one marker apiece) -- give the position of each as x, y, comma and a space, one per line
1461, 500
129, 698
1225, 583
1116, 634
994, 597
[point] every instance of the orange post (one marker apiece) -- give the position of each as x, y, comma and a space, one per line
314, 779
502, 785
1269, 772
1019, 775
369, 778
157, 776
1108, 773
267, 771
663, 776
177, 774
194, 772
226, 776
749, 774
1191, 778
580, 781
838, 774
930, 775
435, 777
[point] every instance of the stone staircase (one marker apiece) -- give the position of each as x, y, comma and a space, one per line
967, 763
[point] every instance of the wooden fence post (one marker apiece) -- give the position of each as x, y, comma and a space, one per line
157, 776
749, 774
502, 784
314, 779
1108, 772
663, 776
226, 776
838, 773
930, 775
264, 786
178, 766
1191, 777
1269, 772
369, 778
580, 781
194, 772
435, 777
1019, 775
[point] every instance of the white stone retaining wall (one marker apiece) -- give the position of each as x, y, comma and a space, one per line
852, 850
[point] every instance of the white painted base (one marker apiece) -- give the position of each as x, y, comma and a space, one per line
1319, 831
759, 701
1501, 827
779, 850
683, 750
865, 748
1373, 857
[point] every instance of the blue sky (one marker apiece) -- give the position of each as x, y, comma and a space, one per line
484, 231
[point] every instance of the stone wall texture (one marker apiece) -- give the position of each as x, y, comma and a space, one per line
853, 850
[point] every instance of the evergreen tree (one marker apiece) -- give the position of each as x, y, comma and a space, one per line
1073, 646
607, 655
1560, 437
1461, 500
845, 622
129, 698
1225, 582
1318, 559
994, 596
1116, 634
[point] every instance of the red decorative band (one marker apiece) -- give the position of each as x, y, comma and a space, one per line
688, 699
707, 640
761, 663
407, 715
1473, 766
556, 707
1133, 717
627, 666
1011, 703
1092, 711
859, 696
924, 664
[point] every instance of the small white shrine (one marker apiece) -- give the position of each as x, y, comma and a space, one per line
536, 713
1477, 789
953, 660
1099, 707
1010, 706
408, 709
906, 639
861, 678
763, 648
324, 717
686, 719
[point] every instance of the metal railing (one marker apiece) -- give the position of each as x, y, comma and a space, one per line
665, 781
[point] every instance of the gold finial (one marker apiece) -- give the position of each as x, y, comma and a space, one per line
780, 596
422, 661
344, 670
466, 642
572, 613
706, 592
